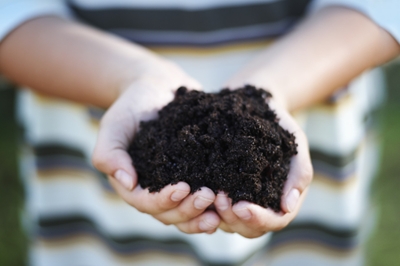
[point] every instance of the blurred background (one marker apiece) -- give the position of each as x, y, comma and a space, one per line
384, 244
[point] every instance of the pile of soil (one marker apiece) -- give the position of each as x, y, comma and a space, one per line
229, 141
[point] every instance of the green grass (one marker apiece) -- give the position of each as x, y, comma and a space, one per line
12, 241
385, 242
383, 247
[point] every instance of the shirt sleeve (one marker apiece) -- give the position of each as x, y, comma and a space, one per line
15, 12
385, 13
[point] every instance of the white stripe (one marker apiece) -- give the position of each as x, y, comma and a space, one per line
339, 130
346, 206
56, 121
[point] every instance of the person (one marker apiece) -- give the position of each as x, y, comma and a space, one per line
75, 216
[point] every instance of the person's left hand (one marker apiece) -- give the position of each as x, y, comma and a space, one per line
251, 220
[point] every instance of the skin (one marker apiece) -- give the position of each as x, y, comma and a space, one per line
79, 63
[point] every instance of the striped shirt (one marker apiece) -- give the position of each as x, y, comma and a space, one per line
75, 218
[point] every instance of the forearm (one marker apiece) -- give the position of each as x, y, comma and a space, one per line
69, 60
324, 53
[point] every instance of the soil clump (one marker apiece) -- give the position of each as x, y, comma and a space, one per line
229, 141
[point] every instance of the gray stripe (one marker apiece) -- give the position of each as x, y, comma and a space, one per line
206, 38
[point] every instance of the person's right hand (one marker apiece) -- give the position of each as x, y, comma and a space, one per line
140, 100
251, 220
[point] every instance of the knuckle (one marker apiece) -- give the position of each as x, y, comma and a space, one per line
98, 160
103, 163
164, 202
234, 220
224, 227
184, 215
184, 229
258, 225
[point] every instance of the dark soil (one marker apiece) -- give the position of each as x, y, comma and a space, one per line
229, 141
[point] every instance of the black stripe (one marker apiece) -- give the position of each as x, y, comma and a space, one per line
191, 20
51, 156
57, 227
333, 160
338, 174
339, 238
54, 149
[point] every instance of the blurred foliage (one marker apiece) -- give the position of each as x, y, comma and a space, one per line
13, 244
383, 247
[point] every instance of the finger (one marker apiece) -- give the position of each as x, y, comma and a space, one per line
225, 227
258, 220
253, 220
206, 222
256, 216
192, 206
248, 219
153, 203
223, 205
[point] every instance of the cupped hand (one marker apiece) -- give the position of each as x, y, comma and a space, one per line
139, 101
251, 220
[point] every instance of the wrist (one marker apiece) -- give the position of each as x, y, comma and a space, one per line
157, 74
142, 70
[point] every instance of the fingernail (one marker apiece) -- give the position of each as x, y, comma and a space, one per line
201, 202
205, 226
124, 179
223, 202
178, 195
292, 199
244, 214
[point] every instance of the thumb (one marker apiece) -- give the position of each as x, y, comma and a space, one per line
299, 177
110, 154
301, 170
